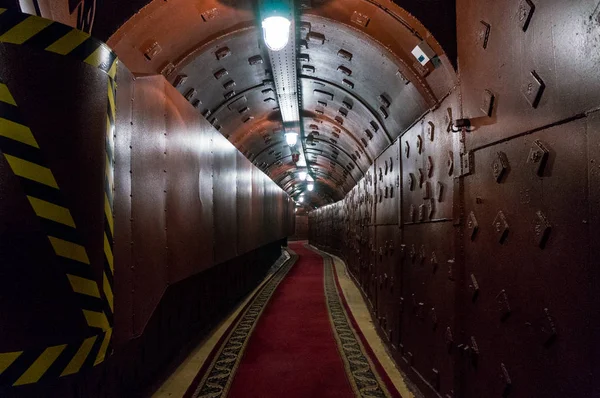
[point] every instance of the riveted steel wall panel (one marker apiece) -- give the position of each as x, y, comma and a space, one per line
389, 280
149, 205
245, 232
189, 215
429, 165
122, 248
593, 136
427, 305
258, 207
387, 186
526, 293
224, 198
554, 39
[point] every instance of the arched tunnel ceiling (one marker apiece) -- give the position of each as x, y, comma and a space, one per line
360, 86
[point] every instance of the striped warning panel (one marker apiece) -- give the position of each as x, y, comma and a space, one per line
35, 365
29, 30
22, 153
109, 175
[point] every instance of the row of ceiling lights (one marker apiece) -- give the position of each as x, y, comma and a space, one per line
276, 34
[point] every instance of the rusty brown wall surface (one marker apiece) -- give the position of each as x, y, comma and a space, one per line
193, 197
123, 248
38, 306
149, 198
496, 278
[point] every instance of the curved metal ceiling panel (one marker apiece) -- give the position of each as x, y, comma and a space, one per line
360, 86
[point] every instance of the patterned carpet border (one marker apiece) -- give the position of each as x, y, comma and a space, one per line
218, 376
360, 369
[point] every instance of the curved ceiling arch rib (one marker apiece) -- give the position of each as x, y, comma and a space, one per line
360, 86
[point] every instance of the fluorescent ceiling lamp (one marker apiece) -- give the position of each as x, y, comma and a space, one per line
291, 138
276, 32
302, 175
310, 187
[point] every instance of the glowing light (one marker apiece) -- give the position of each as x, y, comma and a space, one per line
302, 175
291, 138
309, 178
276, 32
310, 187
301, 199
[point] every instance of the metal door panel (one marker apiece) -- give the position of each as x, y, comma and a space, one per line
527, 271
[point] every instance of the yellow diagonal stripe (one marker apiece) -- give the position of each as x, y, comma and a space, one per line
108, 292
108, 214
2, 10
16, 131
25, 30
31, 171
111, 101
108, 253
40, 366
70, 250
82, 353
98, 57
84, 286
112, 72
96, 319
6, 359
68, 42
5, 95
103, 347
51, 211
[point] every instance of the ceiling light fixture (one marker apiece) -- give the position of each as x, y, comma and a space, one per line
291, 138
276, 31
302, 175
310, 187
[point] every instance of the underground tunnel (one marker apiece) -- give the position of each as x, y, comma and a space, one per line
299, 198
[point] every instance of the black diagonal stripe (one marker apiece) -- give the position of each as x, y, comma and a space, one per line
108, 234
11, 112
19, 366
48, 36
76, 268
109, 275
42, 191
61, 362
108, 313
60, 231
85, 49
9, 19
22, 151
90, 303
89, 361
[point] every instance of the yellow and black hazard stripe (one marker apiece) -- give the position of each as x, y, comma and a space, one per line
25, 158
35, 365
54, 37
109, 180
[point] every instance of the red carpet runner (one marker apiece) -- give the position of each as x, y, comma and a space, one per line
295, 339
